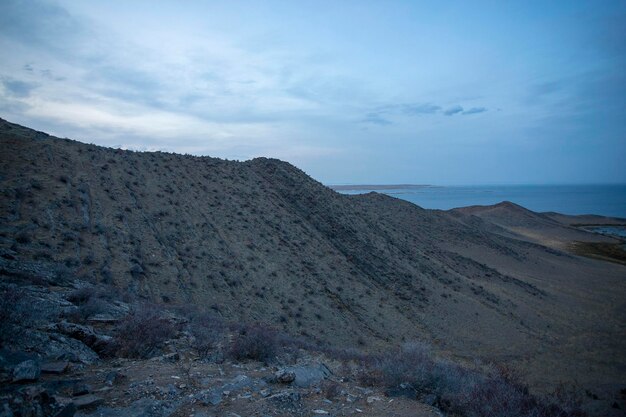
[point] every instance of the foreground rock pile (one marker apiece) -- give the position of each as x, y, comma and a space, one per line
56, 362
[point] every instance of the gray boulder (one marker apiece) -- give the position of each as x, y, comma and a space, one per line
306, 375
85, 334
26, 371
285, 376
145, 407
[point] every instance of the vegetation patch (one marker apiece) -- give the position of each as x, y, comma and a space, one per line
612, 252
142, 333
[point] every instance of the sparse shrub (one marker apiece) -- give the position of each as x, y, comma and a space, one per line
90, 301
497, 392
142, 333
255, 342
330, 389
207, 330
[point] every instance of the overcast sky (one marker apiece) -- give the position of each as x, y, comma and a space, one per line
430, 92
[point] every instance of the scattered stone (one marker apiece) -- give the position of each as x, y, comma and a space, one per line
26, 371
169, 358
85, 334
351, 398
285, 376
56, 368
209, 397
308, 375
144, 407
114, 378
88, 401
287, 399
103, 318
80, 389
68, 411
238, 383
320, 412
372, 398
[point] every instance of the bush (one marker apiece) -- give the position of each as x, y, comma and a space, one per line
142, 333
207, 330
255, 342
90, 301
412, 365
497, 392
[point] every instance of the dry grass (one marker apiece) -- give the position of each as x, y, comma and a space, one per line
612, 252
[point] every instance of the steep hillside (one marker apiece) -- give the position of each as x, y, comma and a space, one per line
261, 241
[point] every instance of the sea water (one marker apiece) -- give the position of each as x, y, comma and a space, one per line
605, 200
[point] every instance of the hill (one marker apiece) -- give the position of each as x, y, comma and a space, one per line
260, 241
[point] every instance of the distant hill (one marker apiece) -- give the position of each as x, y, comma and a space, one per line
262, 241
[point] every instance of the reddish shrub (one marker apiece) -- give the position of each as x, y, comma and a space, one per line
207, 330
255, 342
142, 333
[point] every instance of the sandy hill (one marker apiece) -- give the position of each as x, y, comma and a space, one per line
550, 229
261, 241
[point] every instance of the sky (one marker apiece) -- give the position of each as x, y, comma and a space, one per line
420, 92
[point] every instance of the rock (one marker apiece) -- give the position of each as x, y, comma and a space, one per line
26, 371
285, 376
320, 412
265, 393
169, 358
103, 318
56, 368
9, 358
68, 411
307, 375
286, 399
114, 378
144, 407
80, 389
238, 383
209, 397
85, 334
371, 399
87, 401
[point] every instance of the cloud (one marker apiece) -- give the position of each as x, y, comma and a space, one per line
18, 88
375, 118
475, 110
39, 23
453, 110
414, 109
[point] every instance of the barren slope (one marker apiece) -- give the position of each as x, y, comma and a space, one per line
262, 241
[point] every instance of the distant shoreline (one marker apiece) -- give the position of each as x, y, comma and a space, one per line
362, 187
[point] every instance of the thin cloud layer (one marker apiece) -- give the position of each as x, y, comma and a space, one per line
346, 91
